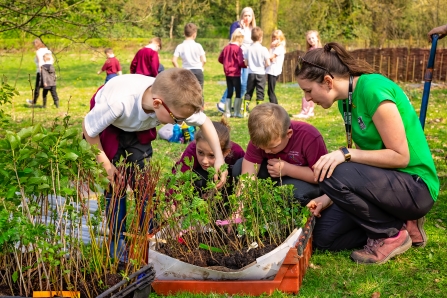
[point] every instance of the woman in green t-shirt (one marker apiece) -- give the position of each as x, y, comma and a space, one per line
380, 191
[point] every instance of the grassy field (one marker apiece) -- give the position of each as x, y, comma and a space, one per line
417, 273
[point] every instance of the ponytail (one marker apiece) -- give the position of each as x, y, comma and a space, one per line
332, 58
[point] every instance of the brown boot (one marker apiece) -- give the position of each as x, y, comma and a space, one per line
378, 251
416, 230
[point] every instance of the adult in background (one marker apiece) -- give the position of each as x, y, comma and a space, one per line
41, 50
146, 61
247, 22
380, 191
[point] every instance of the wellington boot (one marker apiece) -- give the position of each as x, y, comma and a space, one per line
228, 107
237, 108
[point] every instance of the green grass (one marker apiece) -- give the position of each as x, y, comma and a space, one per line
417, 273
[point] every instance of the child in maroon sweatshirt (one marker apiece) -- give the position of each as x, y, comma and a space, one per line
112, 66
232, 59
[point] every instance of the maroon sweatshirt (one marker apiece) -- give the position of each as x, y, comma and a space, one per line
232, 60
145, 63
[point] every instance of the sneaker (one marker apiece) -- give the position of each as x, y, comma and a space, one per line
378, 251
300, 115
30, 102
221, 107
310, 114
416, 231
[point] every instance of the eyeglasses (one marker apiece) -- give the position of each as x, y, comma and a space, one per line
176, 120
301, 61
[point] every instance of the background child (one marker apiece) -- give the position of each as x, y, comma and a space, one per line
277, 53
204, 156
283, 150
232, 59
48, 74
41, 49
112, 66
258, 58
307, 107
146, 61
142, 103
191, 53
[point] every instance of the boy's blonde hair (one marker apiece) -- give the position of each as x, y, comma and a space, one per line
267, 122
47, 57
156, 40
190, 29
282, 39
179, 88
237, 36
223, 132
253, 19
108, 51
256, 34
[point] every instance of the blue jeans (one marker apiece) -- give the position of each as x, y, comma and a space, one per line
244, 78
110, 76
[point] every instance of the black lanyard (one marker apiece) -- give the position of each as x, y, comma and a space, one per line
347, 113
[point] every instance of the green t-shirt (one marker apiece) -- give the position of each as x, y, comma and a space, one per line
370, 91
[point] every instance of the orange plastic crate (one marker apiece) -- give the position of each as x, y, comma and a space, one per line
287, 280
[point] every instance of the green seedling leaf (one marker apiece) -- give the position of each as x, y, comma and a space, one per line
13, 140
36, 138
215, 249
71, 156
25, 133
15, 276
11, 192
43, 186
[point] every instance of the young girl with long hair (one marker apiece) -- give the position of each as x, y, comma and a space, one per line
312, 42
277, 54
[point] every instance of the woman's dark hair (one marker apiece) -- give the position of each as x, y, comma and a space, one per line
332, 59
223, 132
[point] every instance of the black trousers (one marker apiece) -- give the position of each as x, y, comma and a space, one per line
52, 89
233, 82
36, 88
199, 75
369, 202
302, 191
255, 81
271, 81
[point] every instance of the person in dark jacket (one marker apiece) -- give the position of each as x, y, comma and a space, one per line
48, 80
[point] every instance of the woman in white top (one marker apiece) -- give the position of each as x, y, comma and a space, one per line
41, 49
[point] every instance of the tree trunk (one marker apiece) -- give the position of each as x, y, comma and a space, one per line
269, 16
171, 27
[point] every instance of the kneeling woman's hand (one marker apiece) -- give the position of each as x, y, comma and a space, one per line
319, 204
324, 167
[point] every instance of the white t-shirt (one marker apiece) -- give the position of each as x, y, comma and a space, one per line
275, 68
190, 52
38, 59
256, 57
247, 39
119, 103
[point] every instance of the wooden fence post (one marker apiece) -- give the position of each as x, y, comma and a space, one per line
414, 65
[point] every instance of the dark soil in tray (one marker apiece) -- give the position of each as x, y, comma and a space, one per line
234, 259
